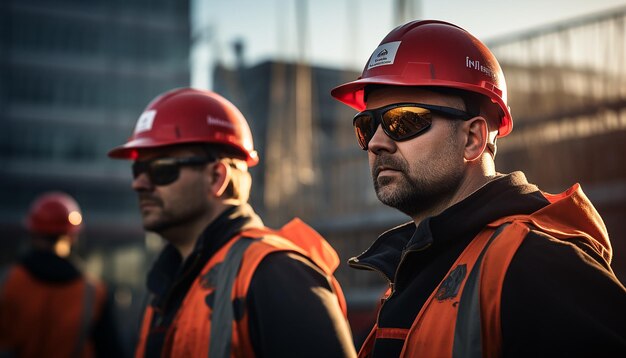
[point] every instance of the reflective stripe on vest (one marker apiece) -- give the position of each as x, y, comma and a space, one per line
467, 331
223, 315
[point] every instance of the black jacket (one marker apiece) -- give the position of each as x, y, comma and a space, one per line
290, 300
558, 299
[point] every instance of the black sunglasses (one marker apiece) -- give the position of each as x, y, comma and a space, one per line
164, 171
401, 121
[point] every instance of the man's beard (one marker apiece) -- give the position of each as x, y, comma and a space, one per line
168, 221
415, 193
172, 219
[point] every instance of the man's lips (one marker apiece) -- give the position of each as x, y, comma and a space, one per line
145, 203
385, 169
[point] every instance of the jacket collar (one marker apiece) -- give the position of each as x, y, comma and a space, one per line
507, 195
47, 266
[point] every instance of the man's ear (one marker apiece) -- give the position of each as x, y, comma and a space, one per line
220, 176
477, 137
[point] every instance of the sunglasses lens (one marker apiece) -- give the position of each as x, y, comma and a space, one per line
399, 123
139, 168
159, 173
406, 122
163, 173
364, 129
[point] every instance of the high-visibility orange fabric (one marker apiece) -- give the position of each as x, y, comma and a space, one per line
189, 333
42, 319
569, 215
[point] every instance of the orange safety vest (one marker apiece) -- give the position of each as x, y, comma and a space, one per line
467, 324
48, 319
190, 334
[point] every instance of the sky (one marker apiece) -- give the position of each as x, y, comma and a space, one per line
343, 33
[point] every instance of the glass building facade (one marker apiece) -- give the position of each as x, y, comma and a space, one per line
74, 77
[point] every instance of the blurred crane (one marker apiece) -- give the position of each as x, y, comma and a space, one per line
290, 146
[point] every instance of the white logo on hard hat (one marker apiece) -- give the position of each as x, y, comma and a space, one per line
215, 121
476, 65
384, 54
144, 123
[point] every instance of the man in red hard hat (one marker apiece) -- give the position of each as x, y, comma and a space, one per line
489, 265
225, 285
48, 308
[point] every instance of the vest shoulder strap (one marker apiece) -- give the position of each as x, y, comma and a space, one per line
467, 331
223, 311
494, 267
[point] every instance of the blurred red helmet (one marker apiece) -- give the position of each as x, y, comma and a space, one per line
432, 53
185, 116
54, 213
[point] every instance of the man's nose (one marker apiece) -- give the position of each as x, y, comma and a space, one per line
381, 142
142, 182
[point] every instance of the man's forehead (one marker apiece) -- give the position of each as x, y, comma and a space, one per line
386, 95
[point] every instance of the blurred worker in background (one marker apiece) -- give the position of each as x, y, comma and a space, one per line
48, 308
225, 285
490, 265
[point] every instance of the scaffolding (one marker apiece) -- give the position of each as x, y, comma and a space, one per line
572, 70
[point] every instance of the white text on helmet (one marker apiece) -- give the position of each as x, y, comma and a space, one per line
215, 121
475, 65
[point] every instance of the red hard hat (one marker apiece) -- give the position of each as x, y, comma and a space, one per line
431, 53
54, 213
188, 115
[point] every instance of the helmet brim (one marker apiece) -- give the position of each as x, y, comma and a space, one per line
353, 94
129, 150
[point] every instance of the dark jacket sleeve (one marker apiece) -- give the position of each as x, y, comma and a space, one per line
293, 311
563, 300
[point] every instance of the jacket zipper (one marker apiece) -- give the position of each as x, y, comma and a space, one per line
404, 254
356, 264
